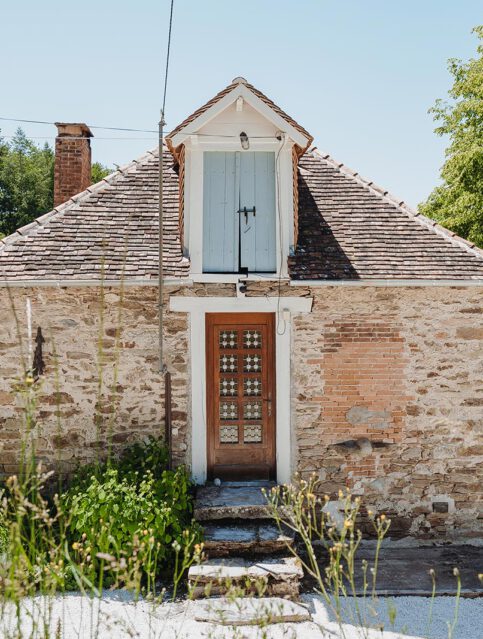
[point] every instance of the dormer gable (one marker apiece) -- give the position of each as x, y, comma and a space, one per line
238, 157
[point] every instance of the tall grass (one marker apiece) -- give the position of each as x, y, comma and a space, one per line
44, 550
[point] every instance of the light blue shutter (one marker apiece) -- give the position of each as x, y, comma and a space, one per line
220, 218
258, 232
232, 181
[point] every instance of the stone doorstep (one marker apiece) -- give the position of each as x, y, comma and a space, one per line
251, 611
243, 538
277, 589
216, 576
232, 500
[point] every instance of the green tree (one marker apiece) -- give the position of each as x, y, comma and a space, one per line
98, 172
27, 181
458, 202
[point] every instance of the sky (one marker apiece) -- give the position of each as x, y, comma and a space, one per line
359, 75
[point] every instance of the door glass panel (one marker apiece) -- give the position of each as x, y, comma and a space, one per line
228, 410
252, 410
252, 363
252, 339
229, 435
252, 386
228, 387
228, 363
252, 434
228, 339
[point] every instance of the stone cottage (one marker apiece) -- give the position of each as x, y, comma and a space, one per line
311, 321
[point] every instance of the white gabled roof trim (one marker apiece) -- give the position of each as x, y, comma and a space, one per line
227, 100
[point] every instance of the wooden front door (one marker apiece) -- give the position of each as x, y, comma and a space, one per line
240, 359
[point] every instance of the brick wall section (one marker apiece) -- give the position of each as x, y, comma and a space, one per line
72, 169
388, 400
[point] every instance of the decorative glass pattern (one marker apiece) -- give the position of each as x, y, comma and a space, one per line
228, 410
252, 339
252, 386
229, 435
252, 410
228, 387
228, 339
252, 363
228, 364
252, 434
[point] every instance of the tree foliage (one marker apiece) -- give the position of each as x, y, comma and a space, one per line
458, 202
98, 172
27, 181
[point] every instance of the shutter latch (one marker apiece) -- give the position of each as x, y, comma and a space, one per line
246, 211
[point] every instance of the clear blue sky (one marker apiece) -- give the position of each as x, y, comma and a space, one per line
359, 75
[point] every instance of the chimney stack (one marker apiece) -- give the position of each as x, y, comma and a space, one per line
72, 170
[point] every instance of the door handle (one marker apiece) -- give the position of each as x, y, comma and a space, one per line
269, 402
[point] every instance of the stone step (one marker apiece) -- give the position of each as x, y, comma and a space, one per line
271, 577
250, 611
232, 500
258, 537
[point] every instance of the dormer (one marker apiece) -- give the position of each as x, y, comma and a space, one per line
238, 157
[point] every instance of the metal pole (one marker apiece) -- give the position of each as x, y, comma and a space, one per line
168, 417
162, 366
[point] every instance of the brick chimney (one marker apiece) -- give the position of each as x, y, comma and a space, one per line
72, 171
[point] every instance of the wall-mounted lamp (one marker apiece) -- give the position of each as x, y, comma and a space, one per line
244, 141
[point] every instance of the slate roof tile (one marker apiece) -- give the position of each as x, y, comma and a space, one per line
351, 228
348, 229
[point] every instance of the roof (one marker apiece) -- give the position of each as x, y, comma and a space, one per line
348, 229
233, 85
112, 227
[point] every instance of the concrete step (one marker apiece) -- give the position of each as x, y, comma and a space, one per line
250, 611
270, 577
232, 500
241, 538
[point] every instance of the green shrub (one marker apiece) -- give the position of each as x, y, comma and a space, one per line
142, 457
133, 508
136, 461
3, 535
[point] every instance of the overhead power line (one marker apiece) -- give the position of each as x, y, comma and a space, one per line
106, 128
73, 137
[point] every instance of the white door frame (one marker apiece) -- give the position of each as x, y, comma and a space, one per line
197, 307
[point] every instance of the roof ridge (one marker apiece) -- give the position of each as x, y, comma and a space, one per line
226, 91
384, 194
109, 180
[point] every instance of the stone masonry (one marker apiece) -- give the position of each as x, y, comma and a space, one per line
388, 400
387, 391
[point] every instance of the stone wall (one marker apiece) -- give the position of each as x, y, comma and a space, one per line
77, 414
388, 400
387, 393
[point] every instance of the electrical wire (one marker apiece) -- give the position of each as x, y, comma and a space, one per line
167, 56
73, 137
106, 128
280, 231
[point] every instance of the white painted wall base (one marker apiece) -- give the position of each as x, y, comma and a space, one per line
197, 307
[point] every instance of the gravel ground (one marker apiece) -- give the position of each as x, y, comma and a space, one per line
412, 616
116, 616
